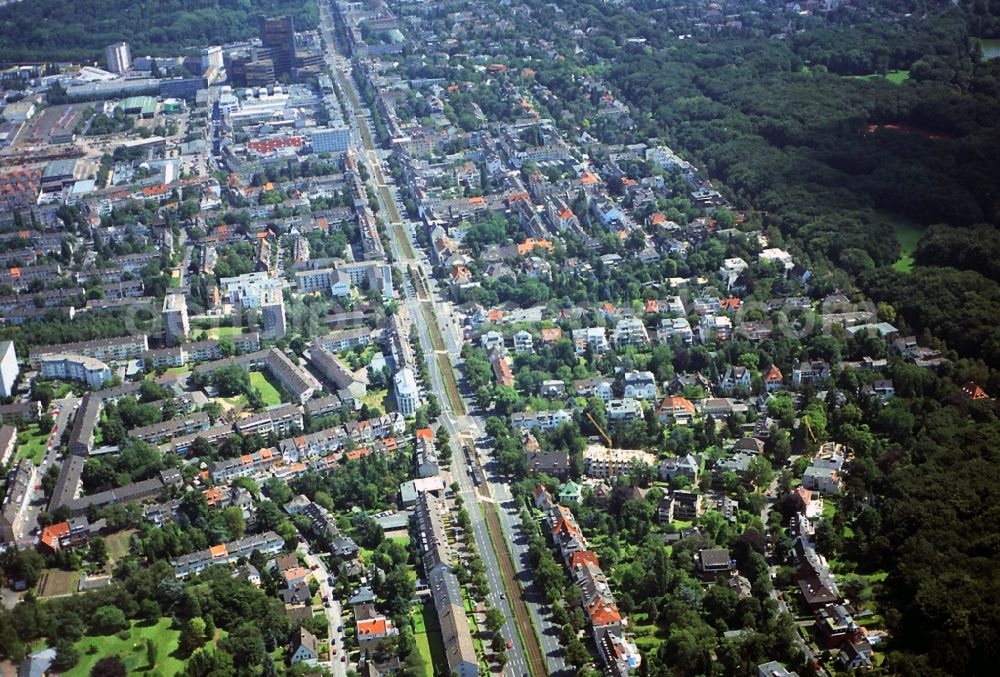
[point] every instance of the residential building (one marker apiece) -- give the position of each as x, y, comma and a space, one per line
8, 443
280, 420
304, 648
267, 543
246, 465
640, 385
272, 314
773, 379
711, 562
552, 463
594, 338
625, 410
735, 378
681, 466
20, 483
675, 411
428, 462
686, 505
823, 480
715, 328
87, 370
603, 463
446, 593
527, 421
523, 342
249, 289
407, 392
106, 350
182, 425
675, 326
372, 627
410, 492
630, 331
175, 319
8, 368
810, 371
774, 669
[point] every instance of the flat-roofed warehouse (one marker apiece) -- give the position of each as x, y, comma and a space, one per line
143, 106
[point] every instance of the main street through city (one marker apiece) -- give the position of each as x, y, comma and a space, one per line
440, 335
516, 635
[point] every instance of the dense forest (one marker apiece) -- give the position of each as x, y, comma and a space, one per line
50, 30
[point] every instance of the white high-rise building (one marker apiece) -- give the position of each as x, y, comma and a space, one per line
407, 392
119, 57
8, 368
211, 58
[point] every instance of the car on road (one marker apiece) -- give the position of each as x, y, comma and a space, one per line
510, 644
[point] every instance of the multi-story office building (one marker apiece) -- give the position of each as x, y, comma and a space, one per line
277, 35
331, 139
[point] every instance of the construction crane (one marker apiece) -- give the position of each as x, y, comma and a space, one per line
600, 430
809, 430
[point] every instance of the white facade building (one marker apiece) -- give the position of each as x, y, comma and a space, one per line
119, 57
8, 368
407, 392
80, 368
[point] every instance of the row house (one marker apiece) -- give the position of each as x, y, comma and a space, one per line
243, 466
267, 543
279, 420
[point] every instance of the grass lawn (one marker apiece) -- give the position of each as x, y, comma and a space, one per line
895, 77
267, 390
55, 582
118, 544
907, 235
219, 332
829, 508
132, 651
427, 633
177, 370
61, 389
375, 398
31, 444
